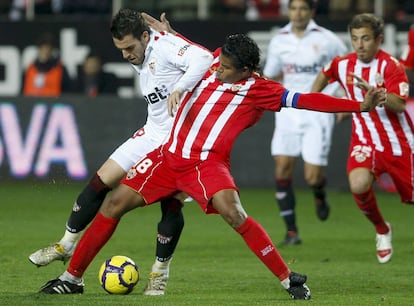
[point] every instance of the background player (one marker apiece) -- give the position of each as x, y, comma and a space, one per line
382, 141
165, 63
295, 56
230, 98
407, 59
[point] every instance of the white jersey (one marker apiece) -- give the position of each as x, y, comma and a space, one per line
299, 60
171, 62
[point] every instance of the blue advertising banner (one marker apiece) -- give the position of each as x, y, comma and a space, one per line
68, 139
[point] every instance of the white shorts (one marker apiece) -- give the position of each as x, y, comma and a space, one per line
302, 132
136, 147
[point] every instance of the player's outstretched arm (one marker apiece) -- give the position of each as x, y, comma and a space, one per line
324, 103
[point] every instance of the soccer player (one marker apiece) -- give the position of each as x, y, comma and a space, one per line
195, 159
407, 59
382, 141
295, 56
167, 65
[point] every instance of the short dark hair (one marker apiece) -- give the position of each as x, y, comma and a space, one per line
126, 22
311, 3
367, 20
243, 51
94, 54
46, 38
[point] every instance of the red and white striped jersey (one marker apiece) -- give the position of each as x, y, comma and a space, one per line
211, 117
407, 56
386, 130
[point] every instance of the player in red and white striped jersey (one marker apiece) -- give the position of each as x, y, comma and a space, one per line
382, 140
407, 56
230, 98
163, 63
407, 59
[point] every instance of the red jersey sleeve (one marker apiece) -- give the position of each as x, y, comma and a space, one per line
330, 69
267, 94
395, 78
216, 53
407, 56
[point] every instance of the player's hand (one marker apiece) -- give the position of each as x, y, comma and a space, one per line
374, 97
361, 83
174, 101
159, 25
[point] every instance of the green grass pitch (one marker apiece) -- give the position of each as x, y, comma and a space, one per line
212, 265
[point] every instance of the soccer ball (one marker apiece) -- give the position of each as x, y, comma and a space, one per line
118, 275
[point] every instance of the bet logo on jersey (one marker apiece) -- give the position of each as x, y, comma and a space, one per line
159, 94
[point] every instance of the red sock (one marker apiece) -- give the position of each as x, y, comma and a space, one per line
94, 238
259, 242
367, 203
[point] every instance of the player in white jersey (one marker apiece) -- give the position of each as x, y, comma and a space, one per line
383, 141
296, 54
164, 63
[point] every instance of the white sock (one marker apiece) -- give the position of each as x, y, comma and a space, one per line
285, 283
69, 240
66, 276
161, 266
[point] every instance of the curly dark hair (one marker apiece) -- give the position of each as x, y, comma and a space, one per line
126, 22
243, 51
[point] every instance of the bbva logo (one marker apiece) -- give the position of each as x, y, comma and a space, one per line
51, 137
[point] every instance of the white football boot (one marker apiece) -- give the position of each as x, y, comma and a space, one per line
51, 253
157, 282
384, 246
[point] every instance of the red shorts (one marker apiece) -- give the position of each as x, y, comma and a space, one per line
399, 168
160, 175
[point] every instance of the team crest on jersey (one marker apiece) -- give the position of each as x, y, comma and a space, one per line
360, 157
404, 89
235, 87
379, 79
131, 174
151, 66
361, 153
